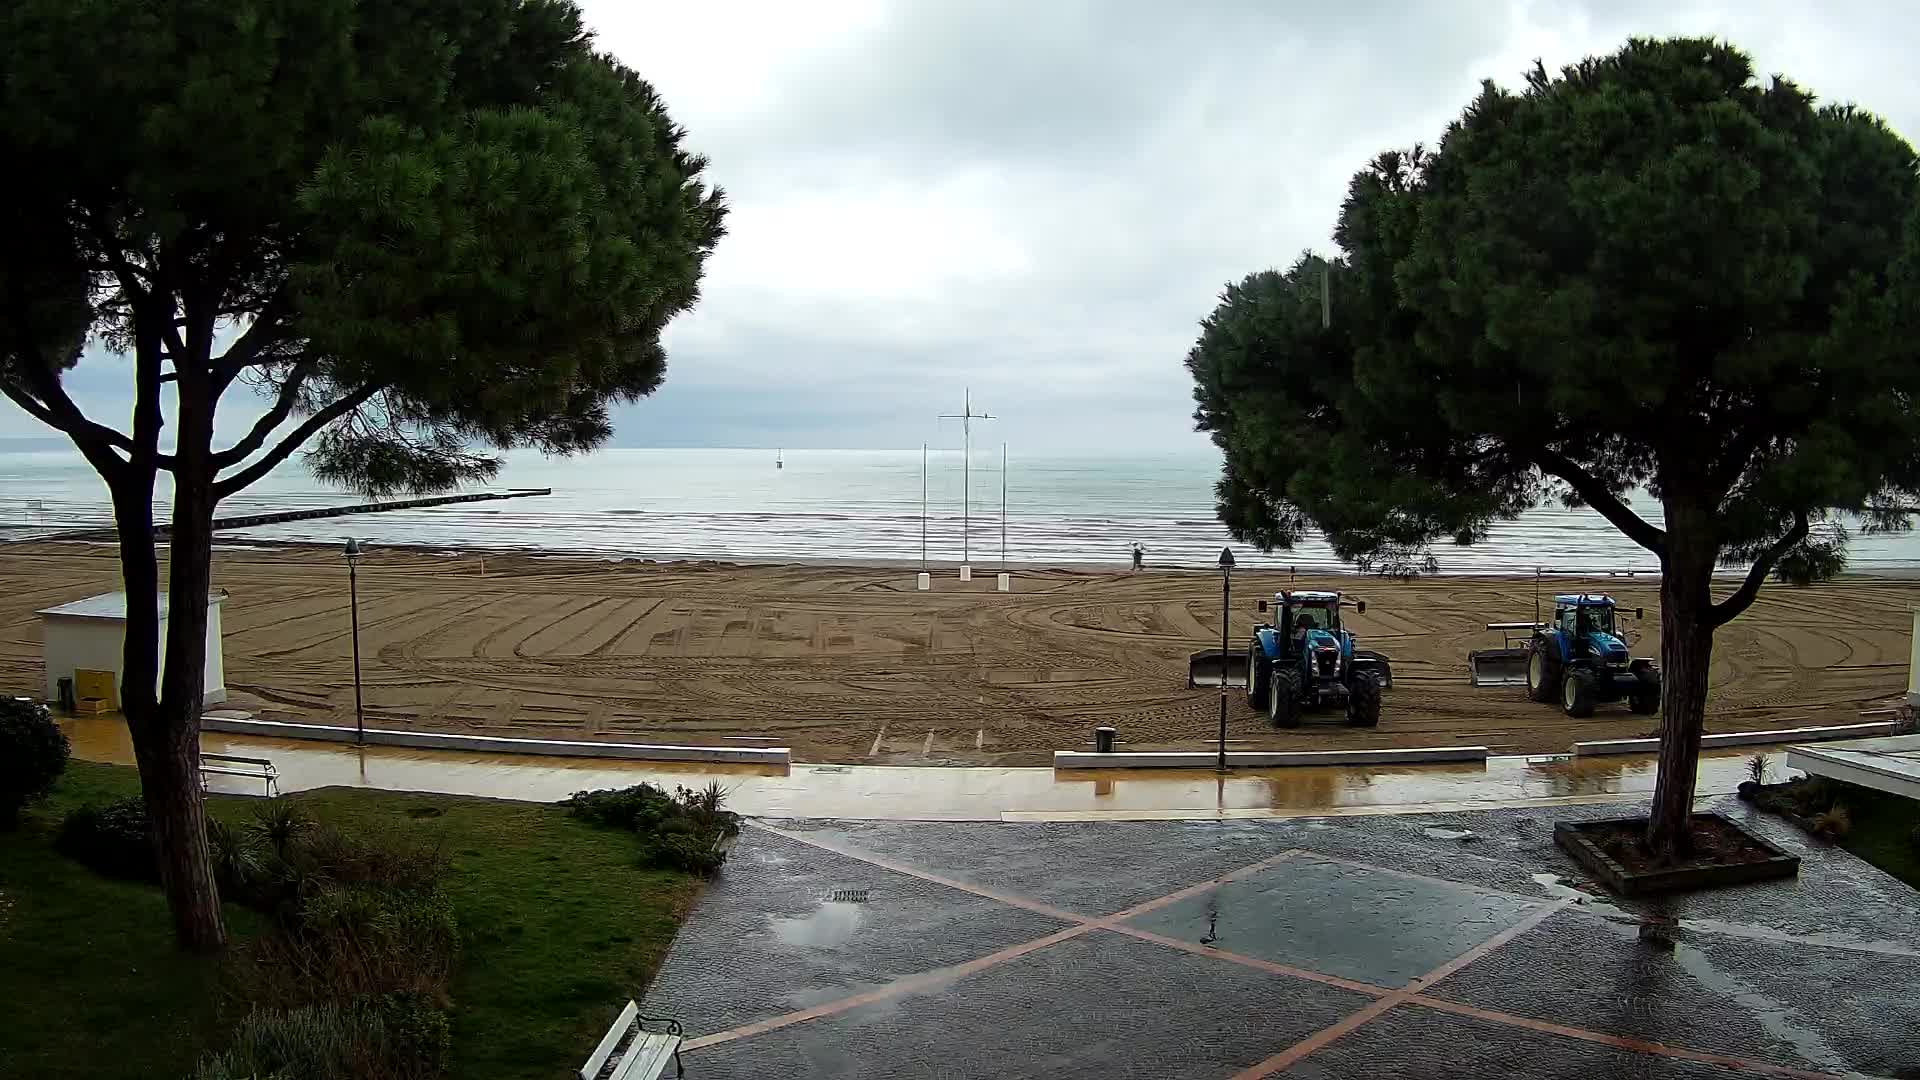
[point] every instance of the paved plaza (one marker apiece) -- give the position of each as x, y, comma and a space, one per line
1372, 947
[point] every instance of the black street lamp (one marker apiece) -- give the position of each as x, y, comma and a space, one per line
1226, 599
353, 592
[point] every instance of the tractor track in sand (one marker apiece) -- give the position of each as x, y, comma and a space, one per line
846, 664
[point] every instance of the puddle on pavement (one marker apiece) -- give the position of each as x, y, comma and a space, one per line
1449, 834
830, 925
1778, 1019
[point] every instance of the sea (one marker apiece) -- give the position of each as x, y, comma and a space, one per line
883, 507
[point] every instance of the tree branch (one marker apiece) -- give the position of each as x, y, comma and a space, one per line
46, 402
241, 355
282, 408
292, 442
116, 258
1725, 611
1595, 494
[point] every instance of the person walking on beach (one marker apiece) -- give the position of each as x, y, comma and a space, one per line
1139, 557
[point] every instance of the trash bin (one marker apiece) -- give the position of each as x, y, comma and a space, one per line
65, 685
1103, 740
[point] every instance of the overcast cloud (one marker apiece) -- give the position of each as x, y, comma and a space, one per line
1041, 200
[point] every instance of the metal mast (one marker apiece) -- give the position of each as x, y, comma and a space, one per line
966, 416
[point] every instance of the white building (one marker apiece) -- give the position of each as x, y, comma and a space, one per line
90, 634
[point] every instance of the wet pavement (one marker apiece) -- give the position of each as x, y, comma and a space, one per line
951, 793
1374, 946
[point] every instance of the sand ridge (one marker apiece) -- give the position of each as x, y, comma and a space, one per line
853, 665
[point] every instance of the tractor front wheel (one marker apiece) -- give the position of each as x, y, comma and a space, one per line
1259, 675
1363, 701
1645, 698
1283, 698
1576, 693
1543, 675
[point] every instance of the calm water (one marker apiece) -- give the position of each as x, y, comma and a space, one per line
844, 504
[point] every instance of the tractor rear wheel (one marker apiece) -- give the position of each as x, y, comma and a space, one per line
1645, 698
1543, 674
1363, 700
1259, 675
1283, 698
1576, 693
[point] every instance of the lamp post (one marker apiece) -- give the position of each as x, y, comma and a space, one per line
1226, 598
353, 594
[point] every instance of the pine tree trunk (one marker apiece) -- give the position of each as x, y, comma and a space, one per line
178, 811
168, 751
1686, 652
163, 709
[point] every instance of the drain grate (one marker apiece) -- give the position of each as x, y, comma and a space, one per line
848, 896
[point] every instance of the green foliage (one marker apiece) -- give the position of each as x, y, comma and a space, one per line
1757, 767
390, 1037
420, 229
683, 831
89, 986
640, 807
112, 840
1650, 270
544, 959
1833, 823
33, 754
456, 219
277, 823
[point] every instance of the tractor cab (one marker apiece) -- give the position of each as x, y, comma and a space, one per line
1585, 624
1309, 620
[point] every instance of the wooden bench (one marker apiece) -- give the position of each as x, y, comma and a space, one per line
254, 768
629, 1051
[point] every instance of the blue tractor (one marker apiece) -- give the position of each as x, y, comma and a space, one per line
1306, 659
1579, 660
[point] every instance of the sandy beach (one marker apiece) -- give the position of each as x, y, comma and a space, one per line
848, 664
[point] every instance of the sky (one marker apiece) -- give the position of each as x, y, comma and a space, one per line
1040, 201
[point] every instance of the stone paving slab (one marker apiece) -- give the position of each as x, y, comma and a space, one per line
1093, 1007
775, 977
1595, 973
1094, 868
1411, 1043
1339, 919
768, 937
1841, 1009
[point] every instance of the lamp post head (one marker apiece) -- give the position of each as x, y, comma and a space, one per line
353, 548
1226, 560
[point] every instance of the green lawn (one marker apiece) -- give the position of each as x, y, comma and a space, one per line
559, 925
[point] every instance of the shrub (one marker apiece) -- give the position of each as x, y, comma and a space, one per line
1832, 823
237, 863
687, 851
391, 1037
639, 808
33, 754
110, 840
678, 831
344, 942
320, 856
1757, 767
707, 808
277, 822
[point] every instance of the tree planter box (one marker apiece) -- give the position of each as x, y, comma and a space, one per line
1577, 838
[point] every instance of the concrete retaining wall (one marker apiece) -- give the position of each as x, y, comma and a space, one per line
1741, 738
495, 744
1263, 759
